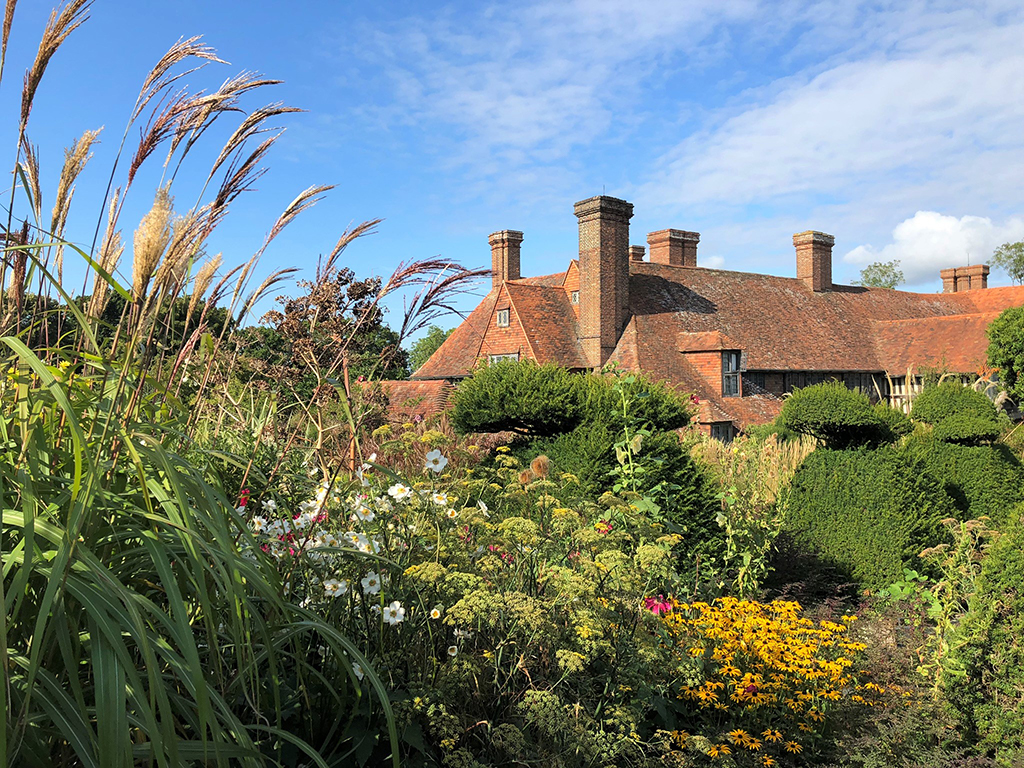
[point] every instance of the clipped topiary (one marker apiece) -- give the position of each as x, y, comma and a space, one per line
838, 416
983, 480
948, 398
984, 680
1006, 351
967, 429
869, 513
518, 396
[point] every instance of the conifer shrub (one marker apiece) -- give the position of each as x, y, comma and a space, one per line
840, 417
985, 679
867, 512
958, 414
982, 480
519, 396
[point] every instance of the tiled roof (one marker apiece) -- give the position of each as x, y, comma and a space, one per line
459, 353
954, 343
408, 399
549, 322
705, 342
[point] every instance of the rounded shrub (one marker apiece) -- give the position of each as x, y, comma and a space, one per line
869, 513
982, 480
984, 679
838, 416
967, 429
519, 396
948, 398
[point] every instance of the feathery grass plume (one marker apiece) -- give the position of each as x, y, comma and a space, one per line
70, 18
242, 174
185, 246
151, 239
75, 158
274, 278
31, 168
16, 289
6, 35
159, 79
110, 257
305, 200
162, 124
442, 281
206, 110
251, 126
203, 280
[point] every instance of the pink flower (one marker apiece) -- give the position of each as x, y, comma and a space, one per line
657, 605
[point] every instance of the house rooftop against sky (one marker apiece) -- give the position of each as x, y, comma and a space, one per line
737, 340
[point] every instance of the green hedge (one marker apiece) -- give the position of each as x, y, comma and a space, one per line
983, 480
985, 680
958, 413
840, 417
867, 512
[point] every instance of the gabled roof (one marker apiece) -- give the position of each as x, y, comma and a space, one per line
548, 322
707, 341
955, 343
459, 353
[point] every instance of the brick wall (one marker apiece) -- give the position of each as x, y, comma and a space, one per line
505, 341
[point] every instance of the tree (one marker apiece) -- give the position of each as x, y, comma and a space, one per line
881, 274
1006, 350
1010, 257
428, 345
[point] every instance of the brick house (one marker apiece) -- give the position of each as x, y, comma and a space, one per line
737, 340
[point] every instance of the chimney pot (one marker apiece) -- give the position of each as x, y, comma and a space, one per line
675, 247
814, 259
636, 252
504, 256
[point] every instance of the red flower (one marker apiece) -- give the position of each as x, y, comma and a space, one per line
657, 605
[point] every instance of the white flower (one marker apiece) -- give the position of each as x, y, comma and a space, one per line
313, 471
375, 610
258, 524
399, 492
394, 613
435, 612
441, 499
358, 670
453, 651
452, 513
463, 634
365, 514
269, 505
383, 503
436, 462
371, 583
483, 508
335, 587
308, 506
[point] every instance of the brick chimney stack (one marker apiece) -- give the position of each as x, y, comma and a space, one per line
636, 252
814, 259
504, 256
604, 274
674, 247
960, 279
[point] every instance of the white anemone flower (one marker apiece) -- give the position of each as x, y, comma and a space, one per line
394, 613
358, 670
371, 583
463, 634
269, 505
335, 587
439, 498
435, 612
258, 524
436, 462
399, 492
365, 514
453, 651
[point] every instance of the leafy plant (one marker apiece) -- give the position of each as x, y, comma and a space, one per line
838, 416
1006, 350
959, 414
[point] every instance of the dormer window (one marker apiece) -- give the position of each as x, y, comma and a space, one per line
503, 318
730, 374
574, 297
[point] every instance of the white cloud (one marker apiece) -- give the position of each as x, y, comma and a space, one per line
930, 241
711, 262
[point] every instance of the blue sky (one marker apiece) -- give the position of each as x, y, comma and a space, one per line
896, 126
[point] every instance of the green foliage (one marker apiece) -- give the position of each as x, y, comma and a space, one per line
881, 274
983, 681
423, 348
1010, 257
839, 417
983, 480
1006, 350
959, 414
522, 397
869, 512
